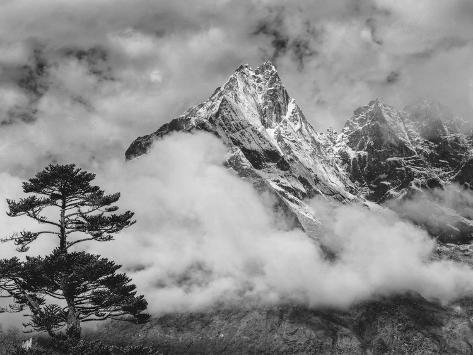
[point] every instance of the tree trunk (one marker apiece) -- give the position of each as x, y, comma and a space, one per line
73, 329
62, 237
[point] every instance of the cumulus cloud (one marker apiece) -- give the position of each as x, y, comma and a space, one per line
205, 237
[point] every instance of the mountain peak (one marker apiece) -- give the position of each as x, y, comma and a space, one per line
375, 105
261, 78
267, 67
269, 140
376, 124
377, 102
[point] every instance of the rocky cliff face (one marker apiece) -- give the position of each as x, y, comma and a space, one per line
381, 155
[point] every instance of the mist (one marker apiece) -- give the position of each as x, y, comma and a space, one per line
206, 238
445, 212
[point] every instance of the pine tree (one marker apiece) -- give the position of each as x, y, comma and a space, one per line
68, 287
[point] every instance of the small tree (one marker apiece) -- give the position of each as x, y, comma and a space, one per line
85, 287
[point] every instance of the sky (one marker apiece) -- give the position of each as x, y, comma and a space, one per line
80, 80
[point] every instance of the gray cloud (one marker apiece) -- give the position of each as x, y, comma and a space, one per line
371, 24
393, 77
299, 47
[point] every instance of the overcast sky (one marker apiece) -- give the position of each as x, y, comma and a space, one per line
79, 80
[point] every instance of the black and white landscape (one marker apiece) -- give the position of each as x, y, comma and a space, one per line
300, 174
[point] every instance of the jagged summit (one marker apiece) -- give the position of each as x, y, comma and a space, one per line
264, 79
270, 142
378, 125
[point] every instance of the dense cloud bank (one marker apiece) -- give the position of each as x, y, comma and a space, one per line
205, 237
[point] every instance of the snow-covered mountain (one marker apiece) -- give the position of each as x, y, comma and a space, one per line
381, 154
389, 153
397, 155
270, 141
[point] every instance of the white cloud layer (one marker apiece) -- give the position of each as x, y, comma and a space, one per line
205, 237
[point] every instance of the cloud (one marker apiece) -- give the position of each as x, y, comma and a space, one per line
445, 213
205, 237
358, 47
